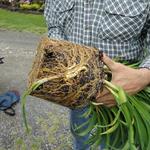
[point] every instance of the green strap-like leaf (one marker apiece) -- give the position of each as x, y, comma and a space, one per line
112, 129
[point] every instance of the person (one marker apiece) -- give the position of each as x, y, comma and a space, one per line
120, 28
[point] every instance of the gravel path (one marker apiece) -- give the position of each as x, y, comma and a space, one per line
49, 122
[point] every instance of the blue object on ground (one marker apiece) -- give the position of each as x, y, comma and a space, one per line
1, 60
8, 100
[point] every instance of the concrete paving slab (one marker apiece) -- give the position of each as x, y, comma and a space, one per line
49, 122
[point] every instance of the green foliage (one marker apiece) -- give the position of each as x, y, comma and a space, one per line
34, 6
127, 123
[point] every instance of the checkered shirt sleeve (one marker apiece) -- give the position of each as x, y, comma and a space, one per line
146, 61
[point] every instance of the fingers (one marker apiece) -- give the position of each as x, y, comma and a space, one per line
108, 101
102, 93
109, 62
110, 105
106, 98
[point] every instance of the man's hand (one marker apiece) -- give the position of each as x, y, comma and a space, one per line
131, 80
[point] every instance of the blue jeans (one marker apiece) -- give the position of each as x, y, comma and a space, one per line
78, 140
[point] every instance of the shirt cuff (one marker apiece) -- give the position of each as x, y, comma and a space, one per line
145, 63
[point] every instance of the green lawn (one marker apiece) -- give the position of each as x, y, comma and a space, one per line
22, 22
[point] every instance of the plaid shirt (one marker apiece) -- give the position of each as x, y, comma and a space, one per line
120, 28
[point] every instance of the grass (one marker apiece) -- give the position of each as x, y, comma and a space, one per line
22, 22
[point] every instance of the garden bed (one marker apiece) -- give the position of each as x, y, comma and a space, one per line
33, 7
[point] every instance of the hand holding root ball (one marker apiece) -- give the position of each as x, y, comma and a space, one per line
131, 80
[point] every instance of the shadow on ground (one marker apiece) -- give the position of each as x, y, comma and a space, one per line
49, 122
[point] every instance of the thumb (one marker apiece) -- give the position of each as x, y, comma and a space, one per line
109, 62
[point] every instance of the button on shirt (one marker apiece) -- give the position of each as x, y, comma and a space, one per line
120, 28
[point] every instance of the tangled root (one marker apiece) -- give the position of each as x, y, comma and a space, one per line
75, 72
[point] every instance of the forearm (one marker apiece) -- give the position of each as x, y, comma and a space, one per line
146, 75
146, 61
